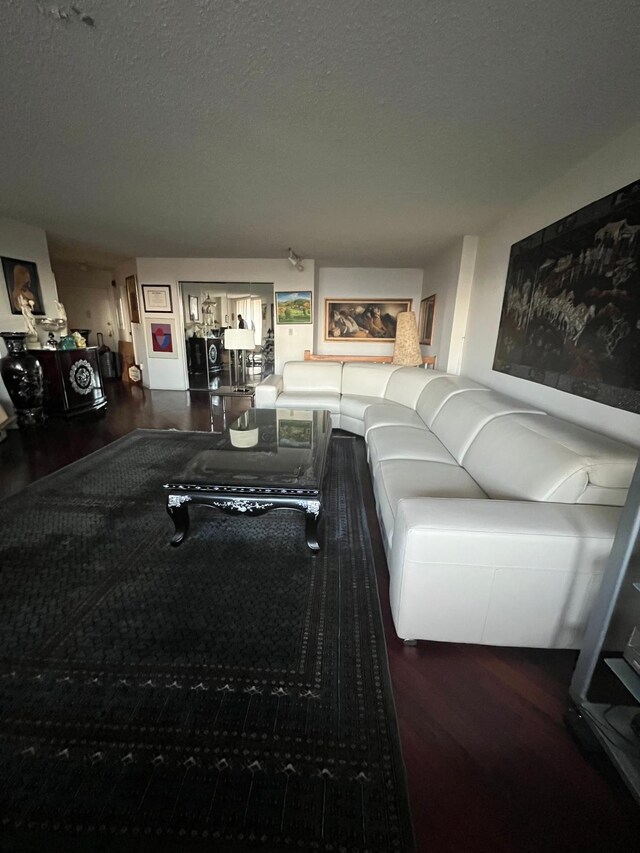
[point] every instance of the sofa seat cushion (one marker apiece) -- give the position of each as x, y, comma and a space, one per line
400, 442
355, 405
309, 400
390, 414
397, 479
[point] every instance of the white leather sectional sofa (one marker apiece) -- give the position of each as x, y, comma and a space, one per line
496, 517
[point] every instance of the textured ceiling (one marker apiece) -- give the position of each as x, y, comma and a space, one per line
365, 132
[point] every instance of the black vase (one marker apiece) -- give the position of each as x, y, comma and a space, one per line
22, 376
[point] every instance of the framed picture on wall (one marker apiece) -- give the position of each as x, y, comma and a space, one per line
293, 307
571, 310
425, 324
362, 319
156, 298
23, 280
132, 297
161, 338
194, 316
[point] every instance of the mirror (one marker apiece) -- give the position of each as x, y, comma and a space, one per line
209, 309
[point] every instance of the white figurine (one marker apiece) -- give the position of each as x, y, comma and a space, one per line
62, 314
29, 321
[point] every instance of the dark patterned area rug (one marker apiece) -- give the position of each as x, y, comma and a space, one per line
230, 695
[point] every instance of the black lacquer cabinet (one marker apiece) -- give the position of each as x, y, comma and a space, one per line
72, 381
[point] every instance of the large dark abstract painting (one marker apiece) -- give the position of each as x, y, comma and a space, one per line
571, 311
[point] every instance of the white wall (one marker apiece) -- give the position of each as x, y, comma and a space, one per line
26, 243
441, 277
89, 300
130, 332
455, 337
366, 284
604, 172
290, 341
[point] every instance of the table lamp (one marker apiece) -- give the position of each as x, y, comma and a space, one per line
239, 340
407, 347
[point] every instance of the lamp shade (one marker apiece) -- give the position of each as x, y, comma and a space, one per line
239, 339
407, 348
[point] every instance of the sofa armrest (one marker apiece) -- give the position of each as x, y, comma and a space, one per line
514, 573
267, 392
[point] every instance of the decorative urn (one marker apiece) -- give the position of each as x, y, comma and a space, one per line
22, 376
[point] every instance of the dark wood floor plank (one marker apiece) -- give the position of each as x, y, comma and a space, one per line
490, 765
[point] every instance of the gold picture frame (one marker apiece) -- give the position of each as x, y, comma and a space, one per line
132, 297
425, 324
363, 320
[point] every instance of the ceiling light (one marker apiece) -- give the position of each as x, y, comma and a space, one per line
295, 260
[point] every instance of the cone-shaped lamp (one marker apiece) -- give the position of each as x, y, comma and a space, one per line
407, 348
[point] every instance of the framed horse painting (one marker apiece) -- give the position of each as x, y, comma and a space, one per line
362, 320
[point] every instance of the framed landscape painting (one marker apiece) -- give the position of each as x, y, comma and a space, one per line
293, 306
362, 319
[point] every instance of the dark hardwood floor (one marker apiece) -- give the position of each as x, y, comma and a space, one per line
490, 764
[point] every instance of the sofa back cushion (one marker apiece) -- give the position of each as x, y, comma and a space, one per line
321, 377
436, 394
463, 415
540, 458
366, 380
407, 384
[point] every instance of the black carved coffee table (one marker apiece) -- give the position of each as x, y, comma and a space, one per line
267, 459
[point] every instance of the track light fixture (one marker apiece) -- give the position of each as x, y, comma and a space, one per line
295, 260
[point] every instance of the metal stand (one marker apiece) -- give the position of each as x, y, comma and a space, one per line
616, 612
240, 371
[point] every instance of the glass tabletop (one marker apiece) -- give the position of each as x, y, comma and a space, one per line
231, 391
263, 450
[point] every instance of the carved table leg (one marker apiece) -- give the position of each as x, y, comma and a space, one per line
313, 516
178, 509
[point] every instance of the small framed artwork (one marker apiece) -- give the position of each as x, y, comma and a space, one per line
362, 319
194, 316
23, 280
293, 306
161, 337
295, 433
425, 325
132, 297
156, 298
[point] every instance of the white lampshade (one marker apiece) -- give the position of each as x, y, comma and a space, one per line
239, 339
